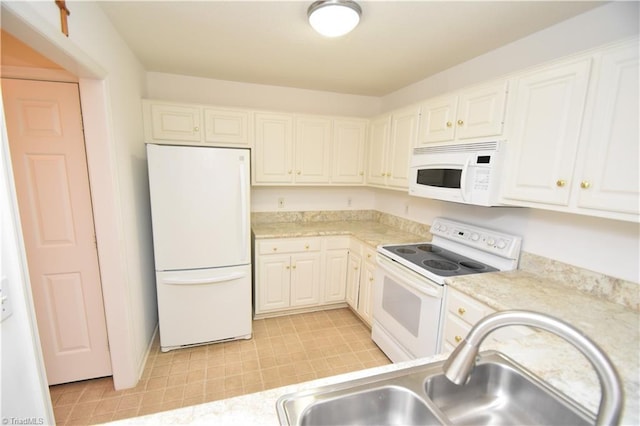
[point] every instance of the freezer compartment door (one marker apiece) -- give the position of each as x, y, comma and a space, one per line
204, 305
200, 203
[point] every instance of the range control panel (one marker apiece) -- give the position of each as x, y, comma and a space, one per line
487, 240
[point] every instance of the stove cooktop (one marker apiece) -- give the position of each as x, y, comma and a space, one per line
436, 260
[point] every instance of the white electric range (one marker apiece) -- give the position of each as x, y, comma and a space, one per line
409, 288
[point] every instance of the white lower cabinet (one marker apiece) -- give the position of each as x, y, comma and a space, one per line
360, 276
313, 273
288, 273
462, 313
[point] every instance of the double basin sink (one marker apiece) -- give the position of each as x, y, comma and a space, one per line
499, 392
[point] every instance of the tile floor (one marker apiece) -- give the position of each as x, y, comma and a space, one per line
283, 350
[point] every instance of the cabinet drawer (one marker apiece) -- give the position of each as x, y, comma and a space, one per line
466, 308
369, 254
455, 330
332, 243
293, 245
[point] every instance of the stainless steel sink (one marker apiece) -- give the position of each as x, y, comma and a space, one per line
499, 392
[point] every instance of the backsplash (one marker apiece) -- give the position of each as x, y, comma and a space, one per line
615, 290
343, 216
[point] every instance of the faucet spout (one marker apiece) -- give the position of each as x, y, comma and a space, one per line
461, 362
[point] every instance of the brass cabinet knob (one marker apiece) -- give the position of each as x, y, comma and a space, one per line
288, 267
560, 183
461, 311
298, 172
306, 246
460, 122
355, 268
449, 124
584, 184
458, 339
290, 171
275, 249
293, 267
371, 278
195, 129
361, 173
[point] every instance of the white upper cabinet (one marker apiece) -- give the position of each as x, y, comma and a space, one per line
349, 138
573, 139
391, 141
166, 122
273, 154
312, 150
171, 122
227, 126
545, 126
309, 150
476, 112
607, 178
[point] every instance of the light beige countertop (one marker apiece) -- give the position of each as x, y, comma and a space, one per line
368, 231
614, 327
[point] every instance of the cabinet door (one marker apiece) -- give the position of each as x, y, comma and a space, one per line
481, 111
273, 282
273, 150
348, 151
305, 279
353, 279
226, 126
335, 281
378, 142
312, 150
175, 122
609, 177
437, 120
404, 128
546, 120
365, 296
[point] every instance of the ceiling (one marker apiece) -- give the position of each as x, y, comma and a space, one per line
270, 42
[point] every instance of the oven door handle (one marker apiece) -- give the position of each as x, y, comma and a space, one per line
407, 278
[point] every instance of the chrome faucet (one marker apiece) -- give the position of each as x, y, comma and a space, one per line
462, 360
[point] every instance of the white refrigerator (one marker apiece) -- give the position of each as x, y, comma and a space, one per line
200, 198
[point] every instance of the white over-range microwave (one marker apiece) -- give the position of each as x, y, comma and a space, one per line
466, 173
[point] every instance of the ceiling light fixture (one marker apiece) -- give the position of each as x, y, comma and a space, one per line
334, 18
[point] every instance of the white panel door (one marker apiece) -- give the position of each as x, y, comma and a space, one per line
305, 279
348, 151
378, 145
46, 140
199, 206
481, 111
174, 122
274, 278
543, 140
437, 120
274, 148
335, 282
312, 150
404, 131
609, 179
228, 126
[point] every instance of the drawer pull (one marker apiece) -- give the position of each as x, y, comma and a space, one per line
458, 339
306, 246
461, 311
275, 249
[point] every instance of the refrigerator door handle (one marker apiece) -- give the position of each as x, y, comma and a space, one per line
208, 280
243, 207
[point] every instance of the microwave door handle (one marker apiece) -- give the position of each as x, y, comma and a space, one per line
463, 179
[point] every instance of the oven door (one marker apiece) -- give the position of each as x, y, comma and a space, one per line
407, 310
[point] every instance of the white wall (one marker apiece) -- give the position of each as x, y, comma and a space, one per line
311, 198
112, 82
219, 92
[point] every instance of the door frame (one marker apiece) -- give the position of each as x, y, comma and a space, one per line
31, 28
